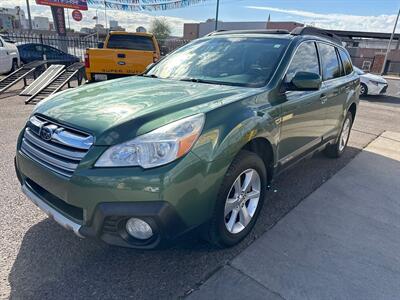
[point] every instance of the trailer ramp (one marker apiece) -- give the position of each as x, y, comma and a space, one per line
18, 75
43, 80
58, 82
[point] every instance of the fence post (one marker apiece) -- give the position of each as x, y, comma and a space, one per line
41, 43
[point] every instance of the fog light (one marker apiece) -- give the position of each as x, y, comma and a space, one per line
139, 229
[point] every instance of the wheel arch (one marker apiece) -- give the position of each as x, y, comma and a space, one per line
264, 149
353, 110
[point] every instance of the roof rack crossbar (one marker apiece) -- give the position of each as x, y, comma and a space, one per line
250, 31
316, 31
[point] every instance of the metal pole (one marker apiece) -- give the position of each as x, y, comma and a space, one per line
105, 14
216, 16
69, 25
97, 27
29, 15
390, 43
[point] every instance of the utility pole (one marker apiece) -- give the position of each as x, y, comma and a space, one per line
29, 15
105, 14
216, 16
390, 43
97, 27
69, 25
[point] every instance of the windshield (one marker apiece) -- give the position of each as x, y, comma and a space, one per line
359, 71
242, 61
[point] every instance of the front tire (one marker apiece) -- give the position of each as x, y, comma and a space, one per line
239, 201
336, 150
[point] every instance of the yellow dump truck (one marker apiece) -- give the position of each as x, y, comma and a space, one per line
122, 54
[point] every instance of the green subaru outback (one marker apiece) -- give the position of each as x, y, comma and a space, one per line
192, 143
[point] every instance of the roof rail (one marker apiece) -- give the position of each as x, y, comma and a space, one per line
255, 31
316, 31
214, 32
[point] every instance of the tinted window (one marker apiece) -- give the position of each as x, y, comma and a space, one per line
243, 61
304, 60
330, 63
52, 51
130, 42
348, 66
38, 48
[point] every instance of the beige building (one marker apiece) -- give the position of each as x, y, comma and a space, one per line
195, 30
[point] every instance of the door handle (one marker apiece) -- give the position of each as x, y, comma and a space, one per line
323, 98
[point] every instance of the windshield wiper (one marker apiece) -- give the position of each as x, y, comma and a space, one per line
196, 80
211, 81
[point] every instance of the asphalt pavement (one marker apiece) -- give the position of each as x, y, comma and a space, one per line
39, 259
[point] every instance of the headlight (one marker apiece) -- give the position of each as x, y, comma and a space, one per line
375, 82
156, 148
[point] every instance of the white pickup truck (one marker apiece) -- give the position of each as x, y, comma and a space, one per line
9, 56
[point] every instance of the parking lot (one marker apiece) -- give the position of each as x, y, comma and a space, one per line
40, 259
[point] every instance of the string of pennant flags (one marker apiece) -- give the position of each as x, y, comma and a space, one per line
144, 5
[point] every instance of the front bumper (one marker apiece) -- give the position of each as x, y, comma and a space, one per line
50, 211
109, 221
97, 202
379, 89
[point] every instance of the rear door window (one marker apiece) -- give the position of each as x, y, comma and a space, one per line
348, 66
130, 42
330, 62
304, 60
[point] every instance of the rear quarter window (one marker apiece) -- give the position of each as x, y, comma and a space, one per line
348, 66
130, 42
330, 62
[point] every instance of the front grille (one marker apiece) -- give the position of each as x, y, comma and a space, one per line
54, 146
384, 89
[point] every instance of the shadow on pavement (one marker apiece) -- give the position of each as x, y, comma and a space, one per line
10, 93
382, 99
341, 243
53, 263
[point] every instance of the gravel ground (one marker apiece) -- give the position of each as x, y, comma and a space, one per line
39, 259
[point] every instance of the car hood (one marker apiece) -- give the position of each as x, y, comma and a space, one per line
114, 111
373, 77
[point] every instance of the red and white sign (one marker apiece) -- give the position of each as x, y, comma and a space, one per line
73, 4
77, 15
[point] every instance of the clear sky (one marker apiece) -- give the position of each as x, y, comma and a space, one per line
365, 15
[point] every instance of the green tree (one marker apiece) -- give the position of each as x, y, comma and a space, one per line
161, 29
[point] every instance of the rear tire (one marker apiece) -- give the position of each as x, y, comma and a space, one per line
336, 150
14, 66
363, 90
239, 200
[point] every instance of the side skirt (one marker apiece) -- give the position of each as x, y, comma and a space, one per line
280, 168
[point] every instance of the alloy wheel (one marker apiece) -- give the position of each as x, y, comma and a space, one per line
362, 90
242, 201
344, 136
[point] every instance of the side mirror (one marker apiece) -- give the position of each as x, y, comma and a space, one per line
306, 81
100, 45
